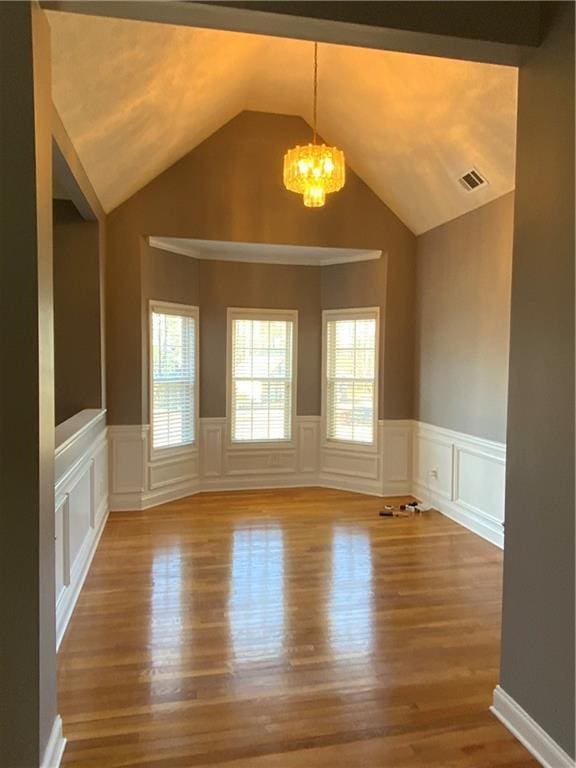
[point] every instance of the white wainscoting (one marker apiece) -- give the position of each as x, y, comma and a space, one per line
463, 477
381, 471
139, 480
81, 505
236, 467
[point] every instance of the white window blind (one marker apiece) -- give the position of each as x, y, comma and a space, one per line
261, 362
173, 354
350, 376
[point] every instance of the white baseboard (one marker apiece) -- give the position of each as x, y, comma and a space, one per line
396, 488
55, 747
491, 531
262, 482
136, 501
528, 732
342, 483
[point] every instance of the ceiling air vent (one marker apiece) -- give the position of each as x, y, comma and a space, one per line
472, 180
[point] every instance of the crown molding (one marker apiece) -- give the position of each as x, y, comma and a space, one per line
262, 253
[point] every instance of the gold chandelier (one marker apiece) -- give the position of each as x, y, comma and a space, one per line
315, 169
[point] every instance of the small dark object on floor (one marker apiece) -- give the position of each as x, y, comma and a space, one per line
404, 510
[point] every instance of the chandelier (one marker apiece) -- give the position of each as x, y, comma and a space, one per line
315, 169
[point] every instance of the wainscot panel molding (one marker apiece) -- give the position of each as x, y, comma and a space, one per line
55, 747
381, 471
462, 476
235, 467
528, 732
140, 478
81, 505
396, 437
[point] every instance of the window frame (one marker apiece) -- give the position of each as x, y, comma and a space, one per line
243, 313
356, 313
187, 310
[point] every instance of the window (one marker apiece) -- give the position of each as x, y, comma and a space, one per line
261, 366
350, 370
173, 385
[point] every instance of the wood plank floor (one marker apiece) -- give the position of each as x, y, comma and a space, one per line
285, 629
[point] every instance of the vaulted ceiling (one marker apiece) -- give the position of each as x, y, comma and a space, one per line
135, 97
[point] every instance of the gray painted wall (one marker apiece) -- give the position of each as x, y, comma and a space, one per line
77, 355
463, 320
538, 612
214, 286
274, 286
27, 600
230, 188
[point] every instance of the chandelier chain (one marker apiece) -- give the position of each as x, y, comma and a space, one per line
315, 108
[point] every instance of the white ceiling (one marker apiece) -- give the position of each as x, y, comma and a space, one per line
225, 250
135, 97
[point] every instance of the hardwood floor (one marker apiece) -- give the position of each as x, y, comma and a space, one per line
285, 629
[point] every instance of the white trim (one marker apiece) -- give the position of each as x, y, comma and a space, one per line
257, 483
221, 467
472, 508
75, 427
67, 603
80, 508
492, 532
490, 446
240, 313
356, 313
132, 438
55, 747
181, 310
136, 502
472, 495
139, 482
75, 472
395, 441
341, 483
528, 732
262, 253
